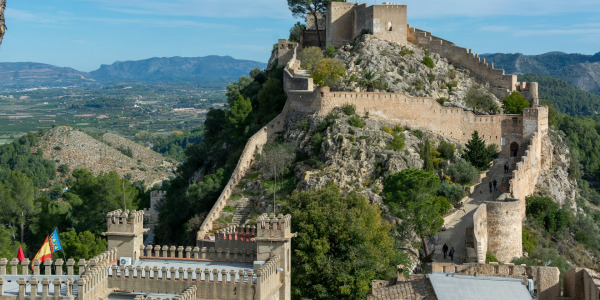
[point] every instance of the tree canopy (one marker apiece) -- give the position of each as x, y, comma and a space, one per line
342, 244
514, 103
477, 154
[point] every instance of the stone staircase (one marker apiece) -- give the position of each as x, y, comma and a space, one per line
242, 210
302, 73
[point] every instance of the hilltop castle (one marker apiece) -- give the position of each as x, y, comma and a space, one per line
254, 262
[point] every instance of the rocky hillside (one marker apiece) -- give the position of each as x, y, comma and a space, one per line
400, 69
66, 145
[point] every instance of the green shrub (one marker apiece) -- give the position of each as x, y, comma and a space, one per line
405, 51
303, 125
57, 148
446, 150
349, 109
428, 62
317, 140
398, 142
398, 128
418, 133
542, 256
328, 72
352, 78
489, 257
514, 104
356, 121
329, 119
462, 172
386, 129
454, 193
229, 209
441, 100
480, 100
330, 51
530, 240
309, 57
546, 213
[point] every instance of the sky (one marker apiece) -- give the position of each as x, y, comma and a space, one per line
83, 34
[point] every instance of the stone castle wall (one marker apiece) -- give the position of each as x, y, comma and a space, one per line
502, 84
346, 21
209, 284
415, 112
480, 233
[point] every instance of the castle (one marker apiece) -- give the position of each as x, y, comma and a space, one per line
254, 262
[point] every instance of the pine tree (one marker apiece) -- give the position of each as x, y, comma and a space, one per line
427, 156
476, 153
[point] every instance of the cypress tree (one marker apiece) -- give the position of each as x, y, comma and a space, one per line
476, 153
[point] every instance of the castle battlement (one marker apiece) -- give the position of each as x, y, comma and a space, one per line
122, 221
271, 227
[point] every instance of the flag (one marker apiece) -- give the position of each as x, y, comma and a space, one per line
45, 252
20, 254
55, 241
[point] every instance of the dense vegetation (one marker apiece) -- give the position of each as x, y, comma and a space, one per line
33, 202
567, 98
253, 101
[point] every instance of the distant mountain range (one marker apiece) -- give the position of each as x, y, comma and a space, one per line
166, 69
580, 70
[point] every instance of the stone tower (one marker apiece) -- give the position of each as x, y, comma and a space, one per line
273, 237
125, 232
504, 226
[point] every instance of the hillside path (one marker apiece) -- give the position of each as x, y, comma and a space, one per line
457, 223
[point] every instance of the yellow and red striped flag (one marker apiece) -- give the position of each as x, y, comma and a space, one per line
45, 252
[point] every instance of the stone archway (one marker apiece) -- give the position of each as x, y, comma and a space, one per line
514, 149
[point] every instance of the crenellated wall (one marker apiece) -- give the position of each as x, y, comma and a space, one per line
501, 83
480, 233
246, 253
208, 284
420, 112
253, 146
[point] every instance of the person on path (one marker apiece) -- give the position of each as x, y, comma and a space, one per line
490, 186
506, 168
445, 250
495, 185
452, 253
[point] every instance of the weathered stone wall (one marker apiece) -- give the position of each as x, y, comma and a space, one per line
480, 233
346, 20
309, 38
389, 22
340, 23
502, 84
125, 232
504, 228
418, 112
285, 51
581, 284
312, 25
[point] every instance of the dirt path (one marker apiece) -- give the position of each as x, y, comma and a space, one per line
456, 224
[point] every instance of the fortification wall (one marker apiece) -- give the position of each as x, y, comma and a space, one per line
581, 284
480, 233
340, 23
504, 229
389, 22
501, 83
253, 146
285, 51
425, 113
526, 172
209, 284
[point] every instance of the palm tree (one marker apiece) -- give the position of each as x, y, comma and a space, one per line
2, 25
370, 80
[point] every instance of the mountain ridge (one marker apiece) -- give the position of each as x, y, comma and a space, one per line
205, 68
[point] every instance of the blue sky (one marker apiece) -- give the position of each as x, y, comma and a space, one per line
86, 33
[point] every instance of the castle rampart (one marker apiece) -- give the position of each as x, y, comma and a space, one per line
501, 83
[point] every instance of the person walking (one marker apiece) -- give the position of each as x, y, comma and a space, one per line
495, 183
506, 168
452, 253
445, 250
490, 186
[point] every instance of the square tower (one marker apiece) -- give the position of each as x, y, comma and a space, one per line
125, 232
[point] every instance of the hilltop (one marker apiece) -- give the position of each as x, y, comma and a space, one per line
66, 145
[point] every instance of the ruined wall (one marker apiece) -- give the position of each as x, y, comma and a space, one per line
581, 284
504, 228
502, 84
285, 51
480, 233
526, 173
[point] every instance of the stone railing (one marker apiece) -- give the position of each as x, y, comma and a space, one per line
51, 288
93, 284
36, 267
245, 254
